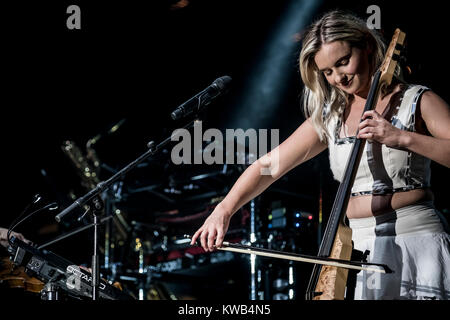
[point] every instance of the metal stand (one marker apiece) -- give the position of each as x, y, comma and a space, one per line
255, 272
50, 292
96, 209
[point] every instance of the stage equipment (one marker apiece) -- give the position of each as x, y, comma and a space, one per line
59, 274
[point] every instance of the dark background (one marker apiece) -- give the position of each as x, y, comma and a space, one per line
137, 61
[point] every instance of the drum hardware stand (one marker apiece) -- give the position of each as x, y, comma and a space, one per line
115, 229
93, 197
255, 271
141, 285
253, 276
108, 233
110, 197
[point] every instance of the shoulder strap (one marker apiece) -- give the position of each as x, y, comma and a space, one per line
405, 117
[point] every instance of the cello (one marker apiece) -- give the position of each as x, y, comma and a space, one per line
329, 282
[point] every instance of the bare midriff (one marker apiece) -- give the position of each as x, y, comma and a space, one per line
373, 205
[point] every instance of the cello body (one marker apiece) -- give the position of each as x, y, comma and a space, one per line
333, 280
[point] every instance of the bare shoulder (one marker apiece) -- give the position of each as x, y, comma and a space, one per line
430, 99
435, 113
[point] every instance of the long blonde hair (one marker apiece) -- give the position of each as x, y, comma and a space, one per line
321, 101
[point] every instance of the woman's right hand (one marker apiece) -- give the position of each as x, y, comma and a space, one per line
213, 230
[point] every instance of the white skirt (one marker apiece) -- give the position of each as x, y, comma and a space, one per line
413, 243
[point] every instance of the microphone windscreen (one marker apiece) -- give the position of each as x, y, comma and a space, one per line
222, 82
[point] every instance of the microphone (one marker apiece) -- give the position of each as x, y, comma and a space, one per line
74, 205
202, 99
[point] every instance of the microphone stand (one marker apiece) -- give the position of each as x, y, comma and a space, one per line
96, 211
71, 233
96, 203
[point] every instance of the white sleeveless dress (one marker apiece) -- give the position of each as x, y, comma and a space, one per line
413, 241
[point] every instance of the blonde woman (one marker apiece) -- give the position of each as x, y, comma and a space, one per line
390, 210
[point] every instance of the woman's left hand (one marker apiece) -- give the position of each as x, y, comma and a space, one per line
376, 128
4, 237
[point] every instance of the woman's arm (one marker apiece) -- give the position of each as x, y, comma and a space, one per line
301, 146
435, 113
